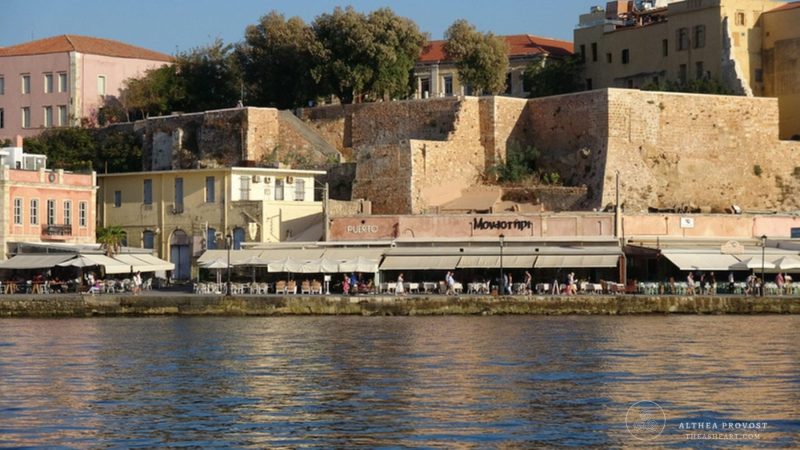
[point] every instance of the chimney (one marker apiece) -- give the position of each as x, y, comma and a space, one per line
18, 141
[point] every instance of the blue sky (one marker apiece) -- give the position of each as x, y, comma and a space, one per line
170, 25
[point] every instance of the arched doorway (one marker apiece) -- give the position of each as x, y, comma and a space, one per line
180, 255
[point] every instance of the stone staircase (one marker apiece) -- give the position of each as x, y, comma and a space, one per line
309, 134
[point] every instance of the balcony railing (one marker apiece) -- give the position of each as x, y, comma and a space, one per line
57, 230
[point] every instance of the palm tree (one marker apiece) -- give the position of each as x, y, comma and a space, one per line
111, 238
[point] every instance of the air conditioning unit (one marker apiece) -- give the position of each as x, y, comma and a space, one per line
256, 178
267, 180
289, 180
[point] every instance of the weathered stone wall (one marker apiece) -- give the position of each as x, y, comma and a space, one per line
391, 122
553, 198
113, 305
503, 124
708, 151
360, 207
571, 134
383, 176
232, 137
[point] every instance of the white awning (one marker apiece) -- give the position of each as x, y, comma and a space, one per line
576, 261
341, 254
35, 261
237, 256
700, 261
111, 266
519, 261
480, 261
420, 262
144, 262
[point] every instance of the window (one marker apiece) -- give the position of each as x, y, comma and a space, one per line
700, 36
2, 118
178, 195
299, 190
117, 199
588, 84
448, 85
210, 194
759, 79
583, 53
740, 18
83, 210
17, 211
48, 83
48, 116
508, 84
629, 83
62, 115
148, 192
699, 73
244, 188
67, 212
35, 212
211, 239
279, 189
51, 212
626, 56
682, 39
101, 85
424, 87
26, 84
609, 58
26, 117
148, 239
665, 48
2, 86
62, 82
594, 51
682, 73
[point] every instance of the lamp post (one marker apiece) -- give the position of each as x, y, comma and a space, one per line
502, 279
763, 252
228, 242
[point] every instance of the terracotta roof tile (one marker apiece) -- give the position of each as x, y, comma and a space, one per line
82, 44
518, 44
790, 5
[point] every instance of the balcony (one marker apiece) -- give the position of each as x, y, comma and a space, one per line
56, 231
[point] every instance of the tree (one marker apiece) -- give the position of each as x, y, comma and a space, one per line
117, 151
520, 163
65, 148
481, 59
153, 94
366, 57
280, 60
111, 238
208, 78
553, 77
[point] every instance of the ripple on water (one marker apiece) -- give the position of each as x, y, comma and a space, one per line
375, 382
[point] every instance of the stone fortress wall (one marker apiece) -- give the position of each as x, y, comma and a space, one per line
671, 150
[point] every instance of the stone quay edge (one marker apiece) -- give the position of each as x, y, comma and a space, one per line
78, 305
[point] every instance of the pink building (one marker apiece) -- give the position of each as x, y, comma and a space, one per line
40, 205
59, 80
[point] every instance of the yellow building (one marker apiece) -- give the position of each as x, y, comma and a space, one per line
781, 59
182, 213
437, 76
633, 44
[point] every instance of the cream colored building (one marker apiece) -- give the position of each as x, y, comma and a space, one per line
633, 44
437, 76
182, 213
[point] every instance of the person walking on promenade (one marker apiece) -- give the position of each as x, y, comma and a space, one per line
400, 289
528, 283
137, 283
690, 284
450, 282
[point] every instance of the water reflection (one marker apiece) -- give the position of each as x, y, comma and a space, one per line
350, 381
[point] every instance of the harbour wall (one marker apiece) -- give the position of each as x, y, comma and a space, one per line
190, 305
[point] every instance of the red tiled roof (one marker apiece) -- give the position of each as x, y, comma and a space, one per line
518, 45
790, 5
83, 44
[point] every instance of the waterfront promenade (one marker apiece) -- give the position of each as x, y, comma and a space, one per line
154, 303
